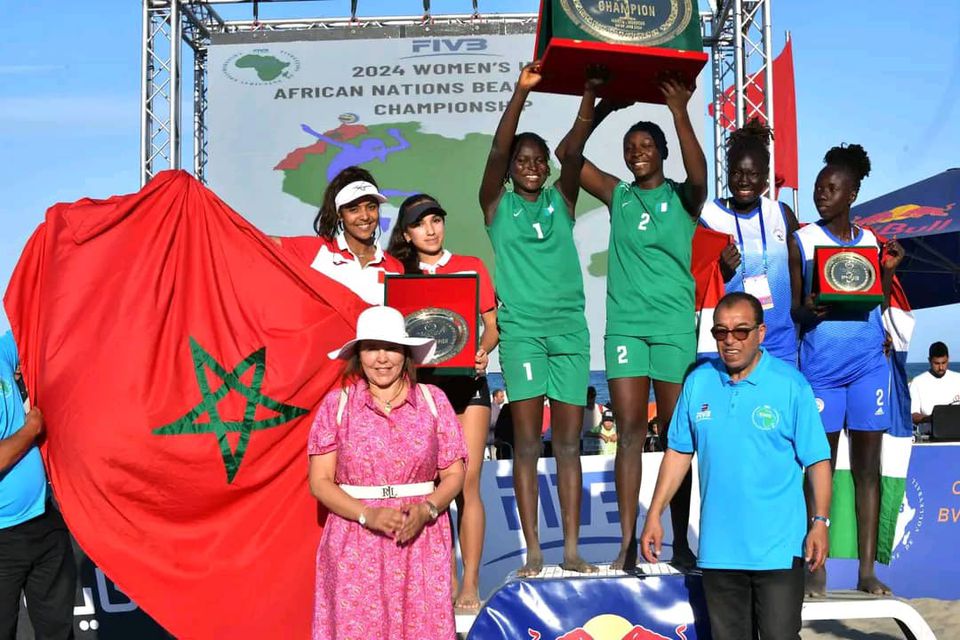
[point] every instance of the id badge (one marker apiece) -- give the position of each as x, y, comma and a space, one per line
759, 288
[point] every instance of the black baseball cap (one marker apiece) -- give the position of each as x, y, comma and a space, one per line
422, 208
606, 416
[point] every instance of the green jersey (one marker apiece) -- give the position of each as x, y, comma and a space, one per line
650, 288
538, 277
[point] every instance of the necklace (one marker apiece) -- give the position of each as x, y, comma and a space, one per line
388, 406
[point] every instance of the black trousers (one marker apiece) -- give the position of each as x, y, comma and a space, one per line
751, 604
36, 558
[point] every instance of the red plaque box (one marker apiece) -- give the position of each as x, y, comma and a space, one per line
444, 307
847, 277
639, 51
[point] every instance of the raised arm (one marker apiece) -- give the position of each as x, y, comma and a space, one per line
570, 150
498, 162
694, 191
324, 138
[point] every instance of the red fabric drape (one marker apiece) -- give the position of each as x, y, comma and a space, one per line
129, 313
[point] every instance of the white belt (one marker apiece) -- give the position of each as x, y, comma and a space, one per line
388, 490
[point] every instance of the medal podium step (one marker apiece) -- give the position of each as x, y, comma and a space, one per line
656, 602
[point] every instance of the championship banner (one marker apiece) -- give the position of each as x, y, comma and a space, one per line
418, 108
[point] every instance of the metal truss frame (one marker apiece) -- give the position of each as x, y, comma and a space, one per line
739, 36
737, 32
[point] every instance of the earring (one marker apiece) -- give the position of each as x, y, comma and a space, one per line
339, 225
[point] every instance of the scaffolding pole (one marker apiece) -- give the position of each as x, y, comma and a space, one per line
739, 36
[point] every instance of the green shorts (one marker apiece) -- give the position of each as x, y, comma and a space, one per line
557, 367
665, 358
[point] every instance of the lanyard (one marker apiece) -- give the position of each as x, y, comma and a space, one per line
763, 240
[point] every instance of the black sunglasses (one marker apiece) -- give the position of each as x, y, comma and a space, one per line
740, 333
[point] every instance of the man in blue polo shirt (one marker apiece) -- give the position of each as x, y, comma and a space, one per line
753, 422
36, 557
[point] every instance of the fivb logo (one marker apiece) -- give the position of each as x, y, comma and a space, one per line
448, 46
596, 484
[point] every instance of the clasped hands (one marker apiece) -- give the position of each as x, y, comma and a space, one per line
403, 524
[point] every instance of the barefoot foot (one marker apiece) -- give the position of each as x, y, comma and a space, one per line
815, 584
468, 601
683, 559
870, 584
533, 566
578, 564
626, 560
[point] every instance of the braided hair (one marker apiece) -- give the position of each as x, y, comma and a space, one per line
325, 223
752, 139
850, 158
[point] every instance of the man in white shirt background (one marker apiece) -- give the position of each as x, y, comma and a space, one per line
938, 386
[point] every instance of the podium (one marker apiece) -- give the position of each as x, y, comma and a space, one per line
654, 603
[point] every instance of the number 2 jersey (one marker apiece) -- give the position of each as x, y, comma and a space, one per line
841, 348
650, 289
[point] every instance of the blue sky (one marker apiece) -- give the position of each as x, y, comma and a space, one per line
877, 73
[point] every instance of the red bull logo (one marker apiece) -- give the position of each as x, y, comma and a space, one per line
613, 627
902, 220
905, 212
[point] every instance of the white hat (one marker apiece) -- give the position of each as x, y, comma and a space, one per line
386, 324
357, 190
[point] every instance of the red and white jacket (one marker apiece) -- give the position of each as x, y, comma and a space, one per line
335, 259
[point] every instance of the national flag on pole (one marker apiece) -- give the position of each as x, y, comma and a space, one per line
894, 456
177, 354
785, 162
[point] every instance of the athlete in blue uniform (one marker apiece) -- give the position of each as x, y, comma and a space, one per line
756, 261
842, 355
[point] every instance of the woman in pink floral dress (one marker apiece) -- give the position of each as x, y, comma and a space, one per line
383, 564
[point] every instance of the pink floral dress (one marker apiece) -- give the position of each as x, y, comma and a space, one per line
367, 585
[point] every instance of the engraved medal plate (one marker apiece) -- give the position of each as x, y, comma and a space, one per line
849, 272
647, 23
447, 327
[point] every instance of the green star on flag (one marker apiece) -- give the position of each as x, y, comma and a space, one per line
208, 405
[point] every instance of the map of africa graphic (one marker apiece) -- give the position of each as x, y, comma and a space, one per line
267, 67
405, 160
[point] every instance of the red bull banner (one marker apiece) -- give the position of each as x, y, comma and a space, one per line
910, 220
596, 608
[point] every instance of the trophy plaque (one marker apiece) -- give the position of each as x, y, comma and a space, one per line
442, 307
847, 277
639, 41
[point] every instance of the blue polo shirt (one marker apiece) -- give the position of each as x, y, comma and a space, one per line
753, 439
23, 487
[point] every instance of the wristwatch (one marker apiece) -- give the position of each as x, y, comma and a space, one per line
363, 518
822, 519
432, 509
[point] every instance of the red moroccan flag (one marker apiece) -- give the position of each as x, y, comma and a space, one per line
177, 354
785, 147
